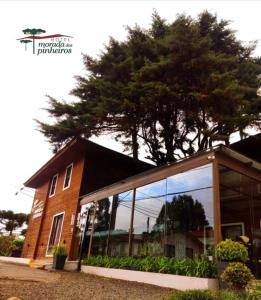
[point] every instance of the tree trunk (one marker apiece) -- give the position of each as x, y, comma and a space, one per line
135, 145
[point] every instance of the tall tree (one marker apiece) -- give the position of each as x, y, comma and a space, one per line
174, 88
10, 221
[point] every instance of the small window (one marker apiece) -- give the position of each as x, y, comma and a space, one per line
53, 185
67, 178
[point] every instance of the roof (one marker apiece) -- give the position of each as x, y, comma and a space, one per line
150, 174
78, 147
250, 147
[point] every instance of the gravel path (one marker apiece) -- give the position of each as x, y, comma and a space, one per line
77, 286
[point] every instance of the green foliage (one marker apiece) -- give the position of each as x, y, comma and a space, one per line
200, 267
229, 250
59, 250
231, 295
237, 275
193, 295
207, 295
5, 245
17, 244
175, 89
255, 292
12, 221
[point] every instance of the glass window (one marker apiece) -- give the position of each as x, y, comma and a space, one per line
85, 223
240, 204
53, 185
120, 216
111, 226
189, 212
101, 227
55, 233
67, 178
149, 217
172, 217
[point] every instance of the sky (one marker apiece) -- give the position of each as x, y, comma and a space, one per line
26, 79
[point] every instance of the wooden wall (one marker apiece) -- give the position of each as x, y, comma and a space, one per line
63, 201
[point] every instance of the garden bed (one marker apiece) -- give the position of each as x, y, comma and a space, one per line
165, 272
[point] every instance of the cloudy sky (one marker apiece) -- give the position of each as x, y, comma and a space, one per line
26, 78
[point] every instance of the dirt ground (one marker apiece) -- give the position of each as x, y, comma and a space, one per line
26, 284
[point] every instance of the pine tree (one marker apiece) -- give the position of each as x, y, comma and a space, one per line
175, 89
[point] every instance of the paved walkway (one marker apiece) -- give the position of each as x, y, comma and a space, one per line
19, 272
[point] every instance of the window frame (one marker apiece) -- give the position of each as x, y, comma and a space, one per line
51, 195
56, 215
69, 182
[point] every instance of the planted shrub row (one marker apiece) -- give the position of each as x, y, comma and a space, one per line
199, 267
208, 295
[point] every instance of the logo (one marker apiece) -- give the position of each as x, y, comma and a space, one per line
46, 44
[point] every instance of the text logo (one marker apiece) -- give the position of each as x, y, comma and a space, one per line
46, 44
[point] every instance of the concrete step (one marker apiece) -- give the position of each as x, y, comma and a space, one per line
39, 264
47, 265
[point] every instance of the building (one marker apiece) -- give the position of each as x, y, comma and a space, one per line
182, 209
179, 210
79, 168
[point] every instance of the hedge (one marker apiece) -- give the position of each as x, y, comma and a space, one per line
199, 267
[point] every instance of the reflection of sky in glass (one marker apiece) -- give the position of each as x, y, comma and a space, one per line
194, 179
123, 211
196, 183
149, 202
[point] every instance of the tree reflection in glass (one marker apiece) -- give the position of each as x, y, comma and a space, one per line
189, 213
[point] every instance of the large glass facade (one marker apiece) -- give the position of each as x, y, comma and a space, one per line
240, 204
171, 217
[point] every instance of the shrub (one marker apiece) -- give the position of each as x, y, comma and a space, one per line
255, 292
231, 295
5, 245
194, 295
207, 295
231, 251
237, 275
199, 267
17, 244
59, 250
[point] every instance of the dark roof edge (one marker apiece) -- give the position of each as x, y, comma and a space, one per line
68, 146
52, 159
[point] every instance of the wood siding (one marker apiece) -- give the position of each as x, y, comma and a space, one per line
63, 201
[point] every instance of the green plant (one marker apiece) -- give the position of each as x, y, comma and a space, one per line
231, 251
17, 244
199, 267
208, 295
194, 295
237, 275
231, 295
5, 245
254, 292
59, 250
